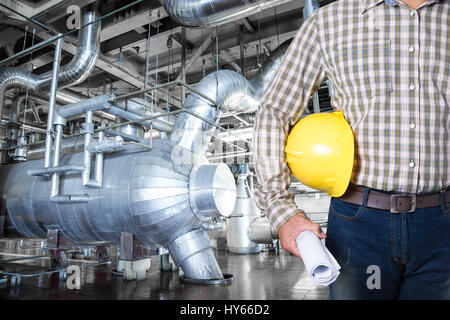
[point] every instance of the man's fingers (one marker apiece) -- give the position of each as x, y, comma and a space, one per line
314, 227
292, 228
318, 231
294, 250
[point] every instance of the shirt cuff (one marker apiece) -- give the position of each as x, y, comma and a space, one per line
280, 214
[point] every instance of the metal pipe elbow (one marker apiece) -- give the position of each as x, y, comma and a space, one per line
85, 58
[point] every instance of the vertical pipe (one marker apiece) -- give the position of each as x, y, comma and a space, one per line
183, 64
89, 130
316, 104
147, 55
251, 183
56, 159
330, 88
99, 162
242, 51
308, 9
14, 119
52, 101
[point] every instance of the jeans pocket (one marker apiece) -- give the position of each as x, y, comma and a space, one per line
445, 206
445, 210
345, 211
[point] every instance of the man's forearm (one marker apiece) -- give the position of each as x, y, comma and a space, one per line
299, 75
272, 195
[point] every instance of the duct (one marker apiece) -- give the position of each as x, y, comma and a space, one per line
88, 50
76, 71
232, 93
260, 231
193, 253
228, 89
261, 80
14, 78
211, 13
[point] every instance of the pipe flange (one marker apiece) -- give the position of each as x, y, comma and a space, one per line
228, 278
212, 191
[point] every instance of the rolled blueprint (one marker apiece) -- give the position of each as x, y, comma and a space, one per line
320, 264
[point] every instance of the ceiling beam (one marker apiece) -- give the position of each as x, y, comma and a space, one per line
246, 23
137, 20
180, 40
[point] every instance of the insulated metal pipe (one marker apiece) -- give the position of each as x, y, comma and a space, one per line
211, 13
51, 105
99, 158
158, 124
193, 253
70, 145
76, 71
81, 66
87, 158
56, 160
228, 89
262, 78
93, 104
260, 231
231, 92
244, 211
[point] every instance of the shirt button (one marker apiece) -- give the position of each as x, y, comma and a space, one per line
412, 88
411, 49
412, 125
412, 13
411, 164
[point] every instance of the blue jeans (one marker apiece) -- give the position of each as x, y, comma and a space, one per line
387, 255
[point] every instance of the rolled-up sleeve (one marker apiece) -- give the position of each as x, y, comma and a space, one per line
300, 74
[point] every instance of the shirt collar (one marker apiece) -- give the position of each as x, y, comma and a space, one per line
369, 4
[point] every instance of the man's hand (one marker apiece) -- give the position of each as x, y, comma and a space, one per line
289, 231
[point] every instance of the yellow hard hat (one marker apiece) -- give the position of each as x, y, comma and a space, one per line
319, 152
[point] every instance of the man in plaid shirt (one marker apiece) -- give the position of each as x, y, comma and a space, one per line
389, 63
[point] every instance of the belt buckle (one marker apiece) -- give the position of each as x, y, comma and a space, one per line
394, 198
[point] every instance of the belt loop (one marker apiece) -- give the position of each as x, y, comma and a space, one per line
444, 205
365, 197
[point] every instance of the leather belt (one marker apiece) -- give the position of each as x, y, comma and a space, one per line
394, 202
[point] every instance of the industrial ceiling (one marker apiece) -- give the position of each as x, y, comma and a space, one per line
241, 45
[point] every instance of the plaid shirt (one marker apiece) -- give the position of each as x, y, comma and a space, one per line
389, 66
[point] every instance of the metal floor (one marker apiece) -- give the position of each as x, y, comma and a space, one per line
264, 276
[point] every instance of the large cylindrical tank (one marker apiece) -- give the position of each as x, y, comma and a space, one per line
144, 192
244, 212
